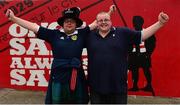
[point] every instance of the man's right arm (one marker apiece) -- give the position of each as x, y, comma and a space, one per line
24, 23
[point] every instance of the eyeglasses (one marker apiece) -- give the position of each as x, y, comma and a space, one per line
105, 20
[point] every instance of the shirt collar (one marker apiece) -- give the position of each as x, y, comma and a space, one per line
111, 32
74, 33
112, 29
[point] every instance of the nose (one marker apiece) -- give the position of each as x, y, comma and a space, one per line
103, 21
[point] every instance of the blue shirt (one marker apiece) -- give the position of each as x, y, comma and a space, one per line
107, 59
63, 46
65, 49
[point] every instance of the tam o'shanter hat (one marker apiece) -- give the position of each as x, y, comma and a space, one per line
72, 13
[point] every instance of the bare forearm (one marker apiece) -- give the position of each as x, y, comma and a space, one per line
162, 19
26, 24
112, 9
146, 33
93, 25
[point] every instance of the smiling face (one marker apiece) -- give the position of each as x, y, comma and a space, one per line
104, 22
69, 25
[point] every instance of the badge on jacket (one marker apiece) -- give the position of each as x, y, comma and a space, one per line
74, 37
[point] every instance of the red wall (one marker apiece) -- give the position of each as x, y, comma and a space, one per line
29, 73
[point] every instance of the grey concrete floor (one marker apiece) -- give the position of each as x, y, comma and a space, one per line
12, 96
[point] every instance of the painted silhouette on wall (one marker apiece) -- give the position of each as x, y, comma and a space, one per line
140, 57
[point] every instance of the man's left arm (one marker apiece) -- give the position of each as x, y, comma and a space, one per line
162, 19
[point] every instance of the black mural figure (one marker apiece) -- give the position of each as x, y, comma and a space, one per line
140, 57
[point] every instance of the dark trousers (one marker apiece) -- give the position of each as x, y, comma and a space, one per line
96, 98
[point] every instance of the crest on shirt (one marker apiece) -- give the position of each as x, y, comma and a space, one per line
74, 37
